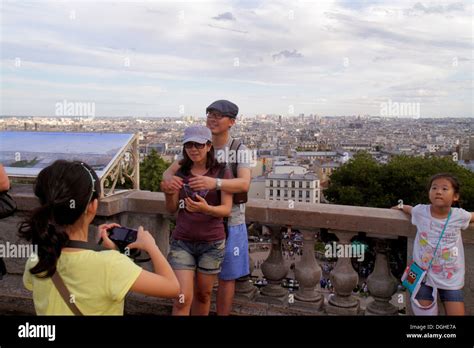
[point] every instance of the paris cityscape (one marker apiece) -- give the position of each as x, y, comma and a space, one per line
352, 114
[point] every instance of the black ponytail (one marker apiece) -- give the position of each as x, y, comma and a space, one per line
64, 190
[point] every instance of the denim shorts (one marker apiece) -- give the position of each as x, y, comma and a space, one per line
426, 293
205, 257
236, 258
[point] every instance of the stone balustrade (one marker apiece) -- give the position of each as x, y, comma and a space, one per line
146, 208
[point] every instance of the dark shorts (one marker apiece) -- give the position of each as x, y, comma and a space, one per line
205, 257
426, 293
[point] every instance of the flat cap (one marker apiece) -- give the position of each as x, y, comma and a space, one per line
225, 107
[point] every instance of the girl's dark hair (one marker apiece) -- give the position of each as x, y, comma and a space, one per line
452, 179
186, 163
64, 190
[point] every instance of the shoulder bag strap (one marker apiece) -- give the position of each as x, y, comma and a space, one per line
59, 282
85, 245
439, 240
64, 292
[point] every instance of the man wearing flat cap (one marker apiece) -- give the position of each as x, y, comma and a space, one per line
221, 116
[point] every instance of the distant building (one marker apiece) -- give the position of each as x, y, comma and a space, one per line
433, 147
356, 146
467, 164
405, 149
257, 188
355, 125
324, 170
288, 169
471, 148
296, 187
317, 155
262, 166
309, 145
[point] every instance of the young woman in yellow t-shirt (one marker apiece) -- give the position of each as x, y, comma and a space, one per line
97, 281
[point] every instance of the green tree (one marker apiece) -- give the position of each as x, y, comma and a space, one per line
364, 182
151, 171
357, 183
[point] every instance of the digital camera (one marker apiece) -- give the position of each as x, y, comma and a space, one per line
122, 237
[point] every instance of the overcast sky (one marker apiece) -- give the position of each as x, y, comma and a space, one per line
163, 58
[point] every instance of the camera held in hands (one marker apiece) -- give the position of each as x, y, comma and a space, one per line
122, 237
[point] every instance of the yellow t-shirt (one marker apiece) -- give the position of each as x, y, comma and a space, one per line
97, 281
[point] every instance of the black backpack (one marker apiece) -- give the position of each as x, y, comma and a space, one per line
240, 197
237, 198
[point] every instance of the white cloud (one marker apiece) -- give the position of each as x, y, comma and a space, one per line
321, 55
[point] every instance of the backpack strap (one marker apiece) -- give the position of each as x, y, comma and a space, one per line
242, 197
225, 220
64, 292
235, 146
220, 175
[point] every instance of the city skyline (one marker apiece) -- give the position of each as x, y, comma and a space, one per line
165, 59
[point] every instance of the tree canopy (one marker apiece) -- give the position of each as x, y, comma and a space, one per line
151, 171
364, 182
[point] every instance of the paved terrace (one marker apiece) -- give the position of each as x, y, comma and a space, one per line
148, 209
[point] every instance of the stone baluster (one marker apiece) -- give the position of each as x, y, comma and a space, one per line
381, 283
344, 279
244, 287
308, 275
274, 270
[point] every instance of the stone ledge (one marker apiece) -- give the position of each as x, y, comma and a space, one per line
375, 221
16, 300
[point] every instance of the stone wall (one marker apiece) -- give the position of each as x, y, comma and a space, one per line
148, 209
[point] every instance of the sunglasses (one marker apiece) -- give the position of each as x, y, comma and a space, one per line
191, 144
215, 116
